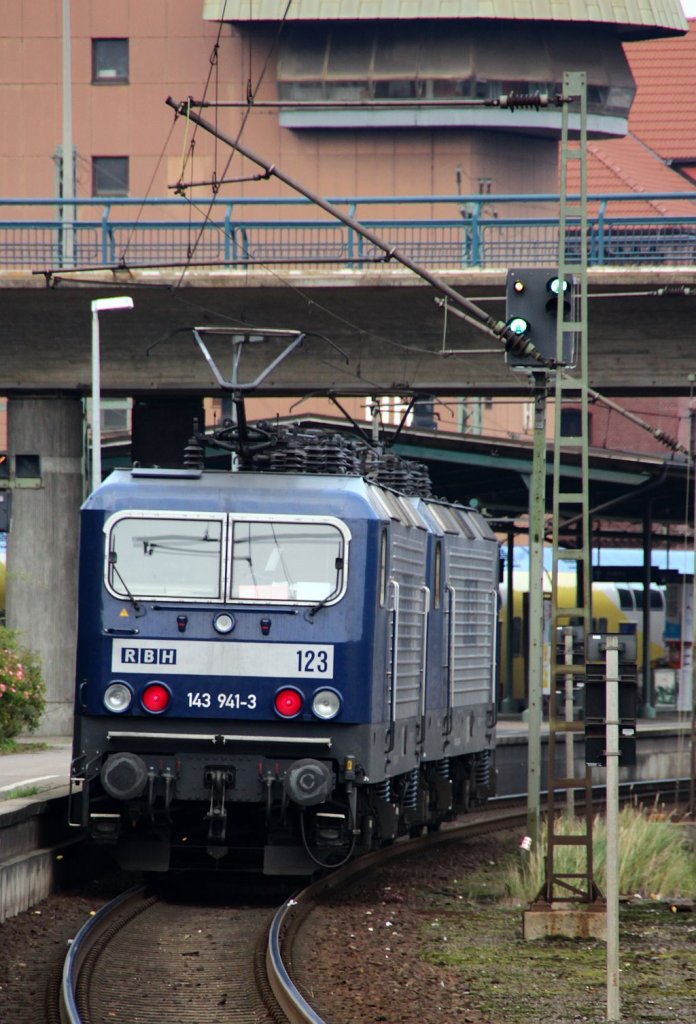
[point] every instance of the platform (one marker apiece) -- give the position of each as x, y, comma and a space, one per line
663, 751
35, 773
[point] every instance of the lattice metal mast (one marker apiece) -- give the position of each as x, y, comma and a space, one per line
571, 622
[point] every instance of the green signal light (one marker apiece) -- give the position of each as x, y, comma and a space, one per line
518, 325
554, 285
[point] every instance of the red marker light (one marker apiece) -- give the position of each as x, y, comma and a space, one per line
288, 703
155, 698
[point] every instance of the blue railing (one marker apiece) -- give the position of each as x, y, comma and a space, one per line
437, 231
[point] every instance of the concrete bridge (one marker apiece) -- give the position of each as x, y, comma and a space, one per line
387, 329
285, 264
372, 328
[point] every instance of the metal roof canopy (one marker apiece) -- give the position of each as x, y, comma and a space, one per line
494, 475
629, 18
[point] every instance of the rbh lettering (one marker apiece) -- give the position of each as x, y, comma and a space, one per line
148, 656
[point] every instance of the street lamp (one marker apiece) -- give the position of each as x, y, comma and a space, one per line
100, 306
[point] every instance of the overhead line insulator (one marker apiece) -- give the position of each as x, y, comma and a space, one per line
523, 100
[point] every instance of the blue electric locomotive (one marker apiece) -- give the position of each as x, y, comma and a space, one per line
283, 666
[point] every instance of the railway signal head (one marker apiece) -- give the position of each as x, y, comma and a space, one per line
535, 298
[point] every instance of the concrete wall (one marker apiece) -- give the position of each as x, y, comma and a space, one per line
42, 545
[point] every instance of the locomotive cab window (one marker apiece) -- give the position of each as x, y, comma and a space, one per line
278, 560
151, 555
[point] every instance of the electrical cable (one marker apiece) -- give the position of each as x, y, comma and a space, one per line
251, 96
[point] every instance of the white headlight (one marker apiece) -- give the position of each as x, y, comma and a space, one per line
224, 622
117, 698
326, 704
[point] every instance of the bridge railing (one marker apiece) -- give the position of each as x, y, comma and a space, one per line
455, 232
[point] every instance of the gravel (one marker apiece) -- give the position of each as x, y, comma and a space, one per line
422, 942
33, 946
430, 940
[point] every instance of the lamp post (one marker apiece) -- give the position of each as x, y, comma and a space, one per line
67, 166
100, 306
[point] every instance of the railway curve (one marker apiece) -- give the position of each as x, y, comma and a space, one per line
230, 964
153, 959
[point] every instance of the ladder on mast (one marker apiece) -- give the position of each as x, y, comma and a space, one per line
570, 622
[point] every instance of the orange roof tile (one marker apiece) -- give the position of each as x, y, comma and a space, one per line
663, 115
625, 165
662, 128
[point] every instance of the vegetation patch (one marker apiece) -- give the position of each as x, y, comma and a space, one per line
8, 746
21, 793
475, 929
656, 858
22, 692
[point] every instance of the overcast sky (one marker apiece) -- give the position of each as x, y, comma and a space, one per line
689, 8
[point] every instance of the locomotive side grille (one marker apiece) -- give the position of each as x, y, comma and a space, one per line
408, 557
470, 571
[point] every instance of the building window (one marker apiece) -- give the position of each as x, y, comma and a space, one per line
110, 176
115, 415
110, 61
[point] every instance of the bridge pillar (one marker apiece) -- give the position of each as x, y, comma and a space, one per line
45, 453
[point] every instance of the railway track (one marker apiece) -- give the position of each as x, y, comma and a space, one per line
153, 959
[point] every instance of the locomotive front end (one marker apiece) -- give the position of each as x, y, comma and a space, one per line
282, 667
216, 636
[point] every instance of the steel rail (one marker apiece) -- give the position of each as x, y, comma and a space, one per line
290, 916
80, 947
288, 919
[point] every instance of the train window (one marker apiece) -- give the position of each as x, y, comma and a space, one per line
151, 555
625, 599
288, 560
383, 567
657, 599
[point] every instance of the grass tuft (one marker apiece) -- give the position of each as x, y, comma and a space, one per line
12, 746
656, 859
21, 792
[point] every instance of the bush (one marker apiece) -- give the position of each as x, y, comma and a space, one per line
22, 690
